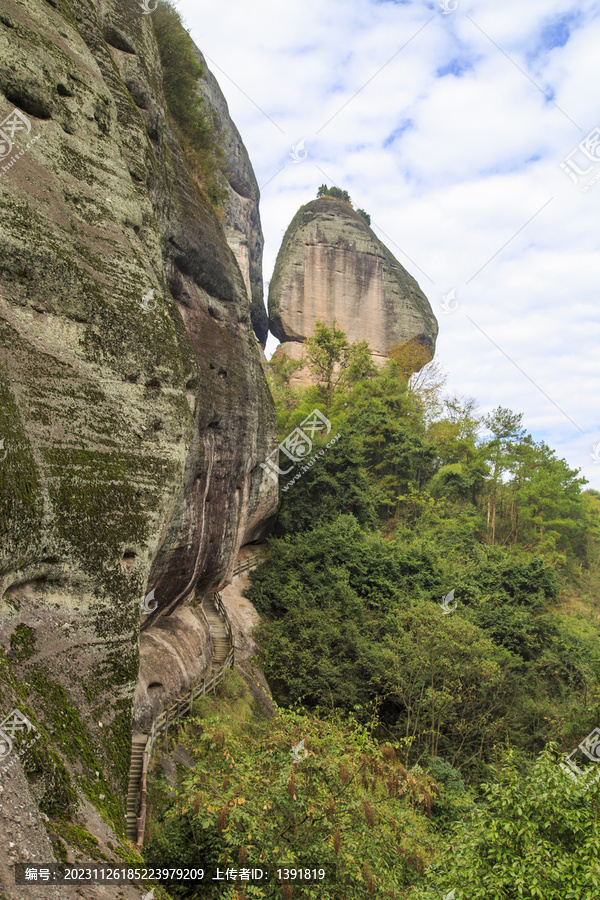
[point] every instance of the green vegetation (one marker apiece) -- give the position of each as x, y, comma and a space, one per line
334, 363
430, 631
335, 192
534, 836
22, 643
338, 194
342, 801
196, 125
73, 739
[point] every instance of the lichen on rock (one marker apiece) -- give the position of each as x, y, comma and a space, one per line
134, 411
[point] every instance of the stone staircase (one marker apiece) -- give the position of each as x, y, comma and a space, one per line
138, 744
136, 788
218, 630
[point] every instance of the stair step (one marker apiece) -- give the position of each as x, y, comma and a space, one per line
221, 648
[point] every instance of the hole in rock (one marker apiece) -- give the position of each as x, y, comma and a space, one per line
23, 98
129, 559
24, 587
240, 187
156, 686
119, 41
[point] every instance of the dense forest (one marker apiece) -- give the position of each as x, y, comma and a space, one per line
430, 634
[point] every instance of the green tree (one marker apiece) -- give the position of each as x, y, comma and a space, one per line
548, 515
280, 369
506, 431
335, 192
535, 837
396, 451
452, 687
590, 540
335, 484
334, 362
341, 803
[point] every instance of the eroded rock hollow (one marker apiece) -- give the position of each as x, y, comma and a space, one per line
134, 411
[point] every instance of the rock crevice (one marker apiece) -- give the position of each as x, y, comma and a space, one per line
134, 410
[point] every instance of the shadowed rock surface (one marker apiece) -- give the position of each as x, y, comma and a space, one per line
331, 265
133, 431
174, 656
242, 218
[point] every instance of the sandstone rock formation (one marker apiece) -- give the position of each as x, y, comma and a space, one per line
330, 266
134, 412
242, 219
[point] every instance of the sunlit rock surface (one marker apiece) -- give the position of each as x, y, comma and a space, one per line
331, 265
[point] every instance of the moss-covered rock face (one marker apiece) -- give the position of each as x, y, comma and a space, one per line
331, 265
240, 207
134, 413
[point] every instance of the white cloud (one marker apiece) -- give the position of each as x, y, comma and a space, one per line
480, 157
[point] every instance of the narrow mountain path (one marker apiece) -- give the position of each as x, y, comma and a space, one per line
221, 648
218, 630
138, 745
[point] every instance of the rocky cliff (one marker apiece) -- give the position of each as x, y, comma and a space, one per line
242, 219
331, 265
134, 412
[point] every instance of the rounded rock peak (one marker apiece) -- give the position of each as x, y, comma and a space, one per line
332, 266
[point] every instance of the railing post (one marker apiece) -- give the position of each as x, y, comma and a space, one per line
161, 723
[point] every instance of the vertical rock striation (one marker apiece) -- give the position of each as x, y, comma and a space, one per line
242, 218
134, 411
330, 266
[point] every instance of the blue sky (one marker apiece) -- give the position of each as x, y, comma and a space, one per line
448, 122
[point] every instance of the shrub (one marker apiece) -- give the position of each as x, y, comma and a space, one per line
195, 125
305, 792
335, 192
